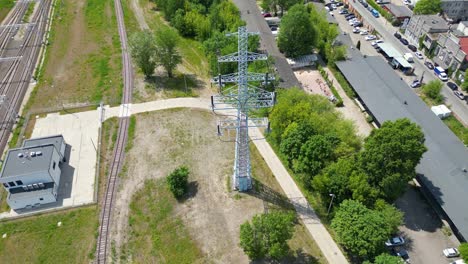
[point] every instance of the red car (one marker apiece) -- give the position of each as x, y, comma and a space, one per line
266, 15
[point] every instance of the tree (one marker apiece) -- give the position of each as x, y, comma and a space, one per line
463, 249
390, 156
464, 85
267, 235
361, 230
385, 258
297, 35
358, 45
286, 4
315, 154
427, 7
293, 138
432, 90
142, 49
166, 49
178, 181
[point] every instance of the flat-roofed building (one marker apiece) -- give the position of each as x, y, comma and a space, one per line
31, 174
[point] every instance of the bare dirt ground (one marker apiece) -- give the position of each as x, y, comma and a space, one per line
165, 140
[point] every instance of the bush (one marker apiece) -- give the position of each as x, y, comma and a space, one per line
432, 90
463, 248
178, 181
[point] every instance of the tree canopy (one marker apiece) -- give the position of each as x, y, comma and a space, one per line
427, 7
432, 90
297, 35
267, 235
463, 249
166, 49
386, 258
390, 156
142, 48
178, 181
361, 230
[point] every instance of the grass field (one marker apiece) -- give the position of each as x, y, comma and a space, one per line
5, 7
157, 235
457, 128
39, 239
83, 61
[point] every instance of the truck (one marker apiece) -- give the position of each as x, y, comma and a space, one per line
440, 72
408, 57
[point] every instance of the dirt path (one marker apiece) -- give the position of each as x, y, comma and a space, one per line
212, 216
138, 12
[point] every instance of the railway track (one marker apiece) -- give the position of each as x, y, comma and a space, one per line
16, 74
119, 150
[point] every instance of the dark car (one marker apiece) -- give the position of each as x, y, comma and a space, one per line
404, 41
339, 4
452, 86
365, 4
344, 11
397, 35
412, 48
429, 65
349, 17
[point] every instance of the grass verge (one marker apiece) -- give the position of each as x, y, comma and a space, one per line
457, 128
39, 240
5, 7
109, 136
343, 82
155, 229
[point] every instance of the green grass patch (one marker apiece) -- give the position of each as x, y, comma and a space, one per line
39, 240
131, 23
342, 81
457, 128
157, 235
29, 11
131, 133
108, 138
3, 203
5, 7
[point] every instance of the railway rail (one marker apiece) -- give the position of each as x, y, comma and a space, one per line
119, 150
15, 75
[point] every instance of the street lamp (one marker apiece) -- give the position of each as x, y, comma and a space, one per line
332, 195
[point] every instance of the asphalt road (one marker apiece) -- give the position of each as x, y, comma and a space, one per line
386, 30
256, 23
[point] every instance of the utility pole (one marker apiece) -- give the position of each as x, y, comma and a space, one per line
242, 98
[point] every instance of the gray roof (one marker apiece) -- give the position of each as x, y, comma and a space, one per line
56, 140
434, 22
441, 168
399, 11
389, 50
27, 164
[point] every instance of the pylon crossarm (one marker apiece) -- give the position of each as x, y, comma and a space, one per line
233, 123
234, 57
234, 77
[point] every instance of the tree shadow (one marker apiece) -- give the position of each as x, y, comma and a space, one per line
192, 190
295, 257
184, 83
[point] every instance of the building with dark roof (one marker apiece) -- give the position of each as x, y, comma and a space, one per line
31, 174
399, 12
442, 171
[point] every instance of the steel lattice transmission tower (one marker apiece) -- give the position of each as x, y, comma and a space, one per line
242, 97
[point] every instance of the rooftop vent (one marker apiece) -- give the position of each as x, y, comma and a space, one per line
435, 22
38, 153
30, 187
35, 186
20, 155
25, 187
41, 184
33, 154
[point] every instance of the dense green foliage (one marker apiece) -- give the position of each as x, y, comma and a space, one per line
361, 230
178, 181
297, 35
386, 258
464, 85
142, 49
432, 90
267, 235
166, 49
427, 7
272, 5
463, 249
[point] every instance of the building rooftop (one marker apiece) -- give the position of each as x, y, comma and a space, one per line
389, 50
464, 45
442, 168
23, 161
434, 22
399, 11
56, 140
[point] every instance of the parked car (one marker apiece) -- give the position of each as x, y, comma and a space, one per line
403, 254
351, 21
397, 35
440, 72
451, 252
395, 241
356, 30
462, 97
363, 32
375, 13
429, 65
415, 84
339, 4
343, 11
404, 41
452, 86
333, 6
350, 16
365, 4
419, 55
374, 43
266, 14
357, 23
407, 2
458, 261
412, 48
370, 37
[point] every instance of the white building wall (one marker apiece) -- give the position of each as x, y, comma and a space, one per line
30, 199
